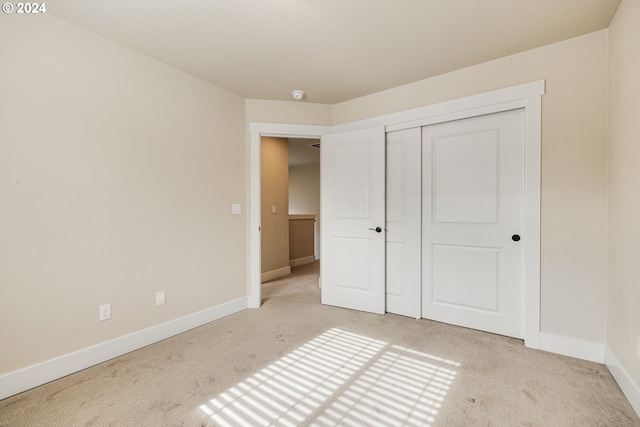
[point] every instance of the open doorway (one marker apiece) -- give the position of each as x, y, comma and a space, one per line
257, 131
304, 200
290, 205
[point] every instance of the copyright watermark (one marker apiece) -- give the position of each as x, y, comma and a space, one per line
24, 8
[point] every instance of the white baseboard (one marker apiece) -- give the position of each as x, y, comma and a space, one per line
302, 261
579, 349
624, 380
274, 274
32, 376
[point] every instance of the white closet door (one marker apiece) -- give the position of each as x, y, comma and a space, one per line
403, 222
352, 271
473, 220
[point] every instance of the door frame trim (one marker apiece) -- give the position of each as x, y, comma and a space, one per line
527, 96
257, 131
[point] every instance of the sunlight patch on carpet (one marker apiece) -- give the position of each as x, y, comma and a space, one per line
339, 379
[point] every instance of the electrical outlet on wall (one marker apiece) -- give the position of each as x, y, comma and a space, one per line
160, 299
104, 312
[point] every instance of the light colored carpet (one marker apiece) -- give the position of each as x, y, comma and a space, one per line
296, 362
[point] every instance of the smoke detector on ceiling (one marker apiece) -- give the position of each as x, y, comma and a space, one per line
297, 94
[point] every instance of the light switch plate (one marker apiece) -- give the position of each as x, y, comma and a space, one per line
236, 208
273, 209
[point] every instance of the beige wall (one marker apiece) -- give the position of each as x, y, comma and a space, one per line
275, 192
300, 238
287, 112
574, 205
624, 187
117, 175
304, 196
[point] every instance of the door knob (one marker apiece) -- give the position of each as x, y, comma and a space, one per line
515, 237
377, 229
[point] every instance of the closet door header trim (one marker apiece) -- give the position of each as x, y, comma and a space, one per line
496, 101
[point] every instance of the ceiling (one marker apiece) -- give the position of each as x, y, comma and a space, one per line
301, 153
334, 50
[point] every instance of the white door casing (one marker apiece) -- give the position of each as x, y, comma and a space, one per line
473, 205
403, 203
258, 130
352, 199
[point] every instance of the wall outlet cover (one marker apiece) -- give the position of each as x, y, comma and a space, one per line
104, 312
160, 298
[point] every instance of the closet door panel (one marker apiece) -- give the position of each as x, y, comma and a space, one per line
473, 222
403, 222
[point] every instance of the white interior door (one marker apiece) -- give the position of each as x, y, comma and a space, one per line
403, 222
352, 180
473, 218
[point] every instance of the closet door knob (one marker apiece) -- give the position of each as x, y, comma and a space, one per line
515, 237
377, 229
